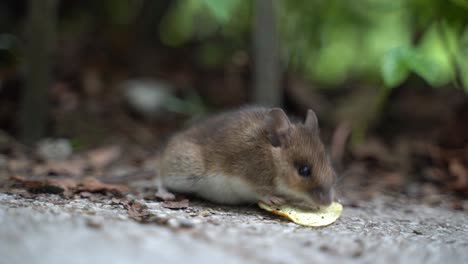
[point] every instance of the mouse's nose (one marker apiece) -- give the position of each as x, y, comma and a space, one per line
324, 197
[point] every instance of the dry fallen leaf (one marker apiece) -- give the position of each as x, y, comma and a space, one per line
181, 204
44, 185
460, 173
136, 210
139, 212
67, 185
94, 185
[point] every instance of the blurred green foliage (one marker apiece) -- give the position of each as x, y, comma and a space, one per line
202, 19
330, 42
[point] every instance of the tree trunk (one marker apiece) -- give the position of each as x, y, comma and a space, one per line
40, 46
266, 90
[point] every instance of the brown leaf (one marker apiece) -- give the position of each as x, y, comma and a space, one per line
67, 185
139, 212
460, 173
94, 185
181, 204
102, 157
46, 185
136, 210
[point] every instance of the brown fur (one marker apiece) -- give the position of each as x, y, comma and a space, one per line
240, 144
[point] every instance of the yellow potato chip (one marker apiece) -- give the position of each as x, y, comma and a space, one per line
322, 217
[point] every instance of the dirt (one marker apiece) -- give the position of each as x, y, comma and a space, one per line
48, 228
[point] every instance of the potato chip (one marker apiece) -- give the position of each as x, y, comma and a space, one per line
321, 217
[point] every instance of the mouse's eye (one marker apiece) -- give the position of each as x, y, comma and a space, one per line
304, 170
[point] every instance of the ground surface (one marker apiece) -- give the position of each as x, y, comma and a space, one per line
50, 229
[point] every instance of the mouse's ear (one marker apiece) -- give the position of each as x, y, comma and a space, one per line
311, 121
278, 127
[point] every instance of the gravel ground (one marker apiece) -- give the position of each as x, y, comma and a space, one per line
50, 229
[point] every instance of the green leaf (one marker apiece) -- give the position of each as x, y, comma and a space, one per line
394, 68
422, 66
399, 62
461, 3
437, 48
176, 26
222, 9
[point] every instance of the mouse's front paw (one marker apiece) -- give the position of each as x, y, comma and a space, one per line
272, 200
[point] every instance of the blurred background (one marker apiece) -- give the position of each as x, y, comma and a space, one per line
388, 79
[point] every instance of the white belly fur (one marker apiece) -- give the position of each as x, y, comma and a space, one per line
216, 188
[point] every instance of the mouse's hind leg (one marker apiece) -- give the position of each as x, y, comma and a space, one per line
181, 167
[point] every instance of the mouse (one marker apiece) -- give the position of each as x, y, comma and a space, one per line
249, 155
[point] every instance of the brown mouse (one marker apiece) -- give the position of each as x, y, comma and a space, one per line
249, 155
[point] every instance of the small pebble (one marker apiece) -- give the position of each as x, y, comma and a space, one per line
90, 212
205, 213
186, 223
115, 201
130, 197
122, 217
162, 216
173, 223
85, 194
93, 224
